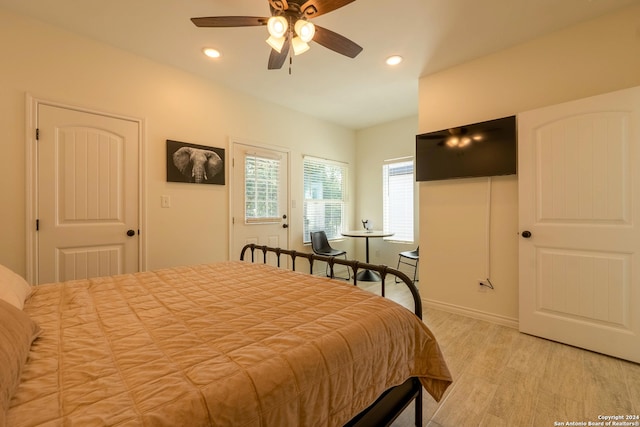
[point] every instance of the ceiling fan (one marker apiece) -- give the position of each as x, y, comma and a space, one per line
290, 28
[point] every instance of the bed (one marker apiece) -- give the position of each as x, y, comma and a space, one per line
238, 343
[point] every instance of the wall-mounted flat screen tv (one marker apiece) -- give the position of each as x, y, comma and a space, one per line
481, 149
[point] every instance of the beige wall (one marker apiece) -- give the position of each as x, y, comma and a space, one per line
376, 144
595, 57
58, 66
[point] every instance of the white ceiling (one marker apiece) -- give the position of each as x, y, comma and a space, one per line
430, 34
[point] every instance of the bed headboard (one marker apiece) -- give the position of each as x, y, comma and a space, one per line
383, 270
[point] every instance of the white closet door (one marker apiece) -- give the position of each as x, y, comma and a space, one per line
88, 194
579, 197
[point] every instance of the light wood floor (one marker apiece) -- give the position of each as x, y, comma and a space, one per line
505, 378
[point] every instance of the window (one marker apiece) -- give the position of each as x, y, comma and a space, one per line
261, 189
324, 197
398, 185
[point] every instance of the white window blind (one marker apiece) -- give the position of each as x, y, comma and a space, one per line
261, 183
324, 197
398, 186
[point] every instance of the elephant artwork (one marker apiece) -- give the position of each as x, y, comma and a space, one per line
195, 163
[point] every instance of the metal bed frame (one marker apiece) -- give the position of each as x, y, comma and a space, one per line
396, 399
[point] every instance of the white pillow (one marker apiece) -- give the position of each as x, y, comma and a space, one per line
13, 288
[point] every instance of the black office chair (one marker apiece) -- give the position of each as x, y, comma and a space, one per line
410, 258
320, 246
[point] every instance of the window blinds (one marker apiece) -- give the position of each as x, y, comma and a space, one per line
262, 180
398, 186
324, 197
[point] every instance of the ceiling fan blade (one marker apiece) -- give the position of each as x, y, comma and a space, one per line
313, 8
276, 60
336, 42
229, 21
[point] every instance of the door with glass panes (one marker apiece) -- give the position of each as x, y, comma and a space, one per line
260, 198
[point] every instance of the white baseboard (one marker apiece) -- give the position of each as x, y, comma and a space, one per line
475, 314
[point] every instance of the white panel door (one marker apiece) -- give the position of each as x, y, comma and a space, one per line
579, 190
260, 198
88, 194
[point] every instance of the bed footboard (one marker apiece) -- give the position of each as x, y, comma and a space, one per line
383, 270
395, 400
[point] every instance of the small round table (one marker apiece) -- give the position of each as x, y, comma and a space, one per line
367, 275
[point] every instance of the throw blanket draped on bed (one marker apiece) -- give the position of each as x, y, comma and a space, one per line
225, 344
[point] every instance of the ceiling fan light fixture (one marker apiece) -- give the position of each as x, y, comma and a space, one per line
277, 26
276, 43
299, 46
287, 36
305, 30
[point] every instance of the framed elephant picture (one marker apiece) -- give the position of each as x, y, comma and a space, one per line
193, 163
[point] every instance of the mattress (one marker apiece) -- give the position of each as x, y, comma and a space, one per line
223, 344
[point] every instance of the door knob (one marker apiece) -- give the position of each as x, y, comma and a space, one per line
526, 234
285, 225
131, 233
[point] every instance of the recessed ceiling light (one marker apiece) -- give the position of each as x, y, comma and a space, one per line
394, 60
211, 53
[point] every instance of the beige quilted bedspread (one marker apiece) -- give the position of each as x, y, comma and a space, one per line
226, 344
